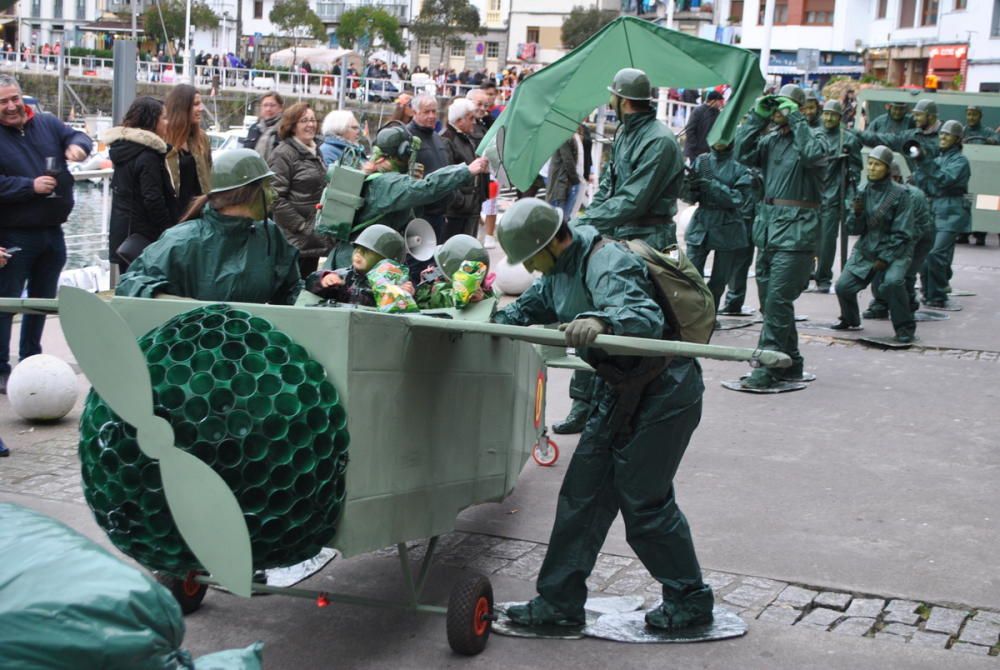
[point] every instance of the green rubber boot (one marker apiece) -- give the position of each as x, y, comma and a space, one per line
759, 379
694, 610
538, 612
575, 420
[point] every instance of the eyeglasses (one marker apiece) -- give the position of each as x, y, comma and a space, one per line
307, 121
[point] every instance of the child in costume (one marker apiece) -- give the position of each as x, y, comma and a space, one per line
458, 276
374, 245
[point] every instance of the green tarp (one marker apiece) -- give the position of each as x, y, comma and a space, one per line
548, 105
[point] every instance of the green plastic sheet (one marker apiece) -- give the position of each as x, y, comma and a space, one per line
548, 106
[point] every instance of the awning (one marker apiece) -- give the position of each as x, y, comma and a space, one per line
945, 62
823, 69
110, 27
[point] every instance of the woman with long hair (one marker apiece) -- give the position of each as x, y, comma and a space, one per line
229, 251
299, 180
143, 204
189, 160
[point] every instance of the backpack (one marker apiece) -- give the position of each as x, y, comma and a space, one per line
680, 290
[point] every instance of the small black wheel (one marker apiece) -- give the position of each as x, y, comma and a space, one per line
188, 592
470, 615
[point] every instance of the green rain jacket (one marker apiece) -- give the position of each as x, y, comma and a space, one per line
945, 180
612, 285
928, 138
725, 201
791, 166
885, 124
391, 197
923, 218
979, 134
637, 195
217, 258
840, 142
886, 227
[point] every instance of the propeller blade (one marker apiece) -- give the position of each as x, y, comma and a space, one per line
106, 349
209, 518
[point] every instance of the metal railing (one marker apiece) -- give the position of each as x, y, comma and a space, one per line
94, 242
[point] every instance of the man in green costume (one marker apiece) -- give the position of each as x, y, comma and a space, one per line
787, 226
232, 252
840, 176
923, 227
896, 120
945, 180
736, 292
636, 197
976, 133
390, 193
811, 108
882, 215
645, 412
722, 187
924, 134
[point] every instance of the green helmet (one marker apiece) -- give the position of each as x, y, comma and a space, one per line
236, 168
457, 249
384, 241
926, 106
810, 94
974, 108
833, 106
952, 128
631, 84
897, 103
794, 92
526, 228
394, 142
882, 153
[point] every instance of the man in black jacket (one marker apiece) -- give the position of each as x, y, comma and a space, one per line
35, 199
698, 125
433, 154
462, 214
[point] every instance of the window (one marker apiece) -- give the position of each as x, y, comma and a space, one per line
36, 8
995, 28
907, 13
258, 9
493, 50
928, 15
961, 4
736, 11
81, 10
780, 13
57, 9
458, 49
533, 32
495, 5
883, 9
424, 48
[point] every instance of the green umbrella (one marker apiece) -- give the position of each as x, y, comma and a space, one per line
548, 106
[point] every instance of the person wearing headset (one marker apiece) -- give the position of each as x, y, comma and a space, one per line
390, 192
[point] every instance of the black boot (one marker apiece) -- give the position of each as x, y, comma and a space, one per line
575, 420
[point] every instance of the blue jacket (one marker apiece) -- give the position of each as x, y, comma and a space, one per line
333, 148
22, 159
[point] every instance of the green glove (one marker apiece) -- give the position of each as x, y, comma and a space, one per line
765, 105
581, 332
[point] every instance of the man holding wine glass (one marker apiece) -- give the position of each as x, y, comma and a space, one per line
36, 197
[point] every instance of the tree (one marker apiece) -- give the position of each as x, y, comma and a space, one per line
370, 29
442, 22
173, 19
295, 18
582, 23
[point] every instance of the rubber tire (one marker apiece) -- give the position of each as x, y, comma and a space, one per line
466, 634
545, 462
183, 591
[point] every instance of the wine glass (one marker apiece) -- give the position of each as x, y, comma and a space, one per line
52, 169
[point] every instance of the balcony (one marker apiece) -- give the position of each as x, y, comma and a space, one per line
494, 19
330, 12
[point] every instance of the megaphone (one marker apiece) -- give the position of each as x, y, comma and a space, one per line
913, 149
420, 239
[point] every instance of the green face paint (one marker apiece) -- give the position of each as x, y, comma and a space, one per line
363, 259
877, 170
946, 141
262, 204
831, 120
543, 262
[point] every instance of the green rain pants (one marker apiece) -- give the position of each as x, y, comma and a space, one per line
581, 386
737, 293
632, 472
937, 268
920, 251
826, 249
781, 276
889, 285
723, 263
